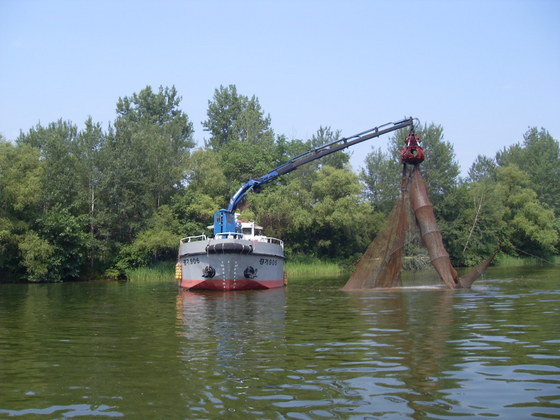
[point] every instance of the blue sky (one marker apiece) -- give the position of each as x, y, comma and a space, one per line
485, 70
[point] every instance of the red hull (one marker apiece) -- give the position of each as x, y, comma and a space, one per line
242, 284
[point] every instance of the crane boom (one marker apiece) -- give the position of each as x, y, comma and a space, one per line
224, 220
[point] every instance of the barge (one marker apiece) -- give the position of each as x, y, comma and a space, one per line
240, 260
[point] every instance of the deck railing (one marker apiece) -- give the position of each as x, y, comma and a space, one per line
234, 235
194, 238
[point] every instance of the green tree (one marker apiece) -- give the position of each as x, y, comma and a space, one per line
343, 224
382, 173
72, 196
381, 177
194, 212
90, 142
144, 159
36, 254
328, 220
236, 118
66, 235
472, 221
158, 242
205, 174
21, 185
242, 161
241, 136
21, 199
285, 210
72, 170
529, 226
288, 149
538, 156
53, 248
160, 134
440, 168
57, 144
482, 169
323, 136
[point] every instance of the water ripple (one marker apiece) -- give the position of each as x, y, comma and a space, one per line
147, 351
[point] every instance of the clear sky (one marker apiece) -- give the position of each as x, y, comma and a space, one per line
484, 70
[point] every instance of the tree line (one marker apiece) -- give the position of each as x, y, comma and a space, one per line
82, 204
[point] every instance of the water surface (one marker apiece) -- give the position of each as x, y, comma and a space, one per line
310, 351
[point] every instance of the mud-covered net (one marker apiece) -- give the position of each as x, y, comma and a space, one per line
380, 266
431, 236
469, 278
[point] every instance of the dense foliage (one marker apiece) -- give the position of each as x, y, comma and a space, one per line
84, 203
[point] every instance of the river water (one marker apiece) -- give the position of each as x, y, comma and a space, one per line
309, 351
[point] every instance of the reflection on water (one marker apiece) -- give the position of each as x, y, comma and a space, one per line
307, 351
228, 325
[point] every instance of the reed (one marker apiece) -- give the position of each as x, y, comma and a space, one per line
164, 271
509, 261
314, 268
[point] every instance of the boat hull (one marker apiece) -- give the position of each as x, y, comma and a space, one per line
230, 284
231, 264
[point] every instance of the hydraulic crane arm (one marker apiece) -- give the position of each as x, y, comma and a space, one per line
224, 220
311, 155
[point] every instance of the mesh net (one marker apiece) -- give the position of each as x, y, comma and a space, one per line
380, 266
431, 236
469, 278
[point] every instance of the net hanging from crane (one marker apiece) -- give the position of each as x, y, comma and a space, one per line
380, 266
431, 236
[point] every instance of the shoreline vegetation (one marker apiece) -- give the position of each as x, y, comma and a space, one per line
90, 203
165, 271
